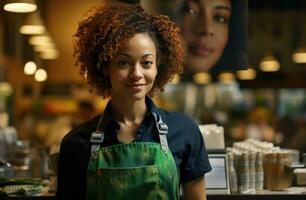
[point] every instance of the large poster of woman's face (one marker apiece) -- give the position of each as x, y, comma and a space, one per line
215, 32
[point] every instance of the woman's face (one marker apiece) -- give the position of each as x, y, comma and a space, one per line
133, 69
205, 29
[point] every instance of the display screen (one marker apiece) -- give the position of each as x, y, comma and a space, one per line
217, 177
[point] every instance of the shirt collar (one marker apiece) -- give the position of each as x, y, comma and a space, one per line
109, 118
151, 106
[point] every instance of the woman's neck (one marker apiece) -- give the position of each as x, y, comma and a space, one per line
128, 112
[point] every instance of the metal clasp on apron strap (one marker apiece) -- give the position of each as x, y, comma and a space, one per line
96, 140
162, 129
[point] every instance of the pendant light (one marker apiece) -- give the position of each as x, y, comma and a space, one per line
299, 56
269, 63
41, 75
40, 39
44, 45
202, 78
248, 74
20, 6
226, 77
30, 68
49, 54
32, 25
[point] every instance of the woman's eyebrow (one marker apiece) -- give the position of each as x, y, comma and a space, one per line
129, 56
124, 54
148, 54
223, 8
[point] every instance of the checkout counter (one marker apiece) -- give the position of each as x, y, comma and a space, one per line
279, 172
219, 180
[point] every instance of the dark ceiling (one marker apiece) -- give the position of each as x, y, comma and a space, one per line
277, 4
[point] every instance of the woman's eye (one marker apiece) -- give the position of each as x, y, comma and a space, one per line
191, 8
123, 63
147, 63
221, 19
192, 11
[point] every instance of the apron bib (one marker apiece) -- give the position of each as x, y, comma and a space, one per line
138, 170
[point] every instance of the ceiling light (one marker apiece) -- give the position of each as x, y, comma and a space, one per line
269, 63
20, 6
226, 77
40, 39
299, 55
32, 25
6, 89
248, 74
44, 47
30, 68
201, 78
40, 75
50, 54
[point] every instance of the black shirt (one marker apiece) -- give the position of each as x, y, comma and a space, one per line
184, 139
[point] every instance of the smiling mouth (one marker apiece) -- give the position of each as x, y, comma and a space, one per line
136, 87
200, 50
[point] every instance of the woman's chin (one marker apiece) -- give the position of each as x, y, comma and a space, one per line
198, 64
137, 96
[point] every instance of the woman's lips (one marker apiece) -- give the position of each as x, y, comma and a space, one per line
136, 87
200, 50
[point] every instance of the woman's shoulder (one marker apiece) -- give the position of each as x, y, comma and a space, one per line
178, 119
81, 132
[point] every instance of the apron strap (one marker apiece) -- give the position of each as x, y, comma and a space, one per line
97, 137
162, 129
96, 140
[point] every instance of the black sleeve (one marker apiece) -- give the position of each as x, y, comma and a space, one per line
72, 169
196, 161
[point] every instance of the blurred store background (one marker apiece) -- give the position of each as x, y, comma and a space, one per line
42, 96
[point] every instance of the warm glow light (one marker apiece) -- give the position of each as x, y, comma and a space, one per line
32, 29
299, 56
226, 77
44, 47
20, 6
269, 64
6, 88
201, 78
30, 68
32, 24
50, 54
40, 39
248, 74
40, 75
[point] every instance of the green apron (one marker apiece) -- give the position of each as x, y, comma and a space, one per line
138, 170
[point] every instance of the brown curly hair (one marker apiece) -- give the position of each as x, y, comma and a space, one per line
99, 37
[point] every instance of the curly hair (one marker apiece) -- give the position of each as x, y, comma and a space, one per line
99, 37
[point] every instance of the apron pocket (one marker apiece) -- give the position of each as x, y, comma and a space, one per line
128, 183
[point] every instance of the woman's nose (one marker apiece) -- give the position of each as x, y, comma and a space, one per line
204, 24
136, 72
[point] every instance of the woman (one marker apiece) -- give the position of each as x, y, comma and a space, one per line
214, 31
133, 150
205, 29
